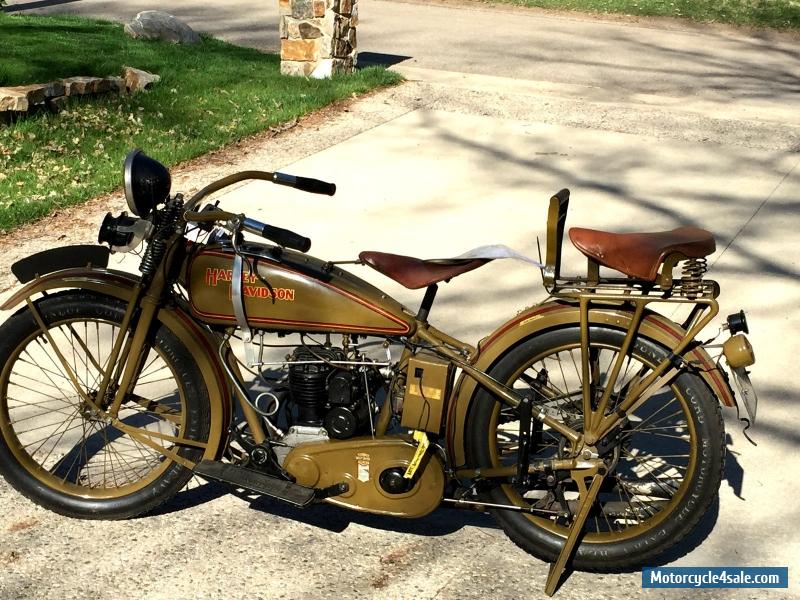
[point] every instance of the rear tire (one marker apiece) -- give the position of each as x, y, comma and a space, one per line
63, 458
688, 485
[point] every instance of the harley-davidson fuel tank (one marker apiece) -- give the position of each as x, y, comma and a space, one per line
301, 293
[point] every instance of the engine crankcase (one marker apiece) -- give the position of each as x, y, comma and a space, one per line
360, 462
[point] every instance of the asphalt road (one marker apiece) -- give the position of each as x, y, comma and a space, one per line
650, 127
620, 59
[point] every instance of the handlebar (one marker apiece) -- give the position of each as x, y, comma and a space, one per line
283, 237
305, 184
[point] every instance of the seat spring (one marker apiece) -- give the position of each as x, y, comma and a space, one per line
692, 276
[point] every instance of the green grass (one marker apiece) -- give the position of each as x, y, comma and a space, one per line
209, 95
780, 14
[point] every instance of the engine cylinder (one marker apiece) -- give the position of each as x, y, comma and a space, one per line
308, 382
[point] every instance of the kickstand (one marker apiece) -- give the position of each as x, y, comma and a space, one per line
588, 496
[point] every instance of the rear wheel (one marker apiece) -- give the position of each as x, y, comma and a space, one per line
664, 471
59, 452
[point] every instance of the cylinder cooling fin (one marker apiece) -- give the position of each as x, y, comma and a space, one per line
327, 392
308, 382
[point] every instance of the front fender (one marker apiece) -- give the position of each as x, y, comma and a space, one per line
121, 285
553, 315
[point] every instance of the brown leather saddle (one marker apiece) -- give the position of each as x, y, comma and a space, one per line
637, 255
415, 273
640, 255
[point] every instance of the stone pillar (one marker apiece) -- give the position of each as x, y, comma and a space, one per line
318, 37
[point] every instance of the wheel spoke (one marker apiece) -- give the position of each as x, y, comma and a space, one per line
39, 381
47, 374
649, 465
44, 439
59, 441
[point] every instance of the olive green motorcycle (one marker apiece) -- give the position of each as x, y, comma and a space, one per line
589, 425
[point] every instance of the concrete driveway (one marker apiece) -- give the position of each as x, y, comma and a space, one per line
650, 128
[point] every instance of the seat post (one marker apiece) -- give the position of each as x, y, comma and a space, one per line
427, 302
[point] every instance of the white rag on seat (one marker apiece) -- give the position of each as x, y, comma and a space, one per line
494, 252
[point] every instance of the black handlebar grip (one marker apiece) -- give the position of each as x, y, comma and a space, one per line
305, 184
316, 186
286, 238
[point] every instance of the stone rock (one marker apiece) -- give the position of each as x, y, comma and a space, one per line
105, 85
328, 24
328, 67
318, 32
298, 50
158, 25
341, 48
343, 7
115, 84
296, 69
79, 86
283, 28
309, 31
22, 97
303, 9
343, 65
292, 28
341, 28
12, 98
136, 79
323, 70
57, 103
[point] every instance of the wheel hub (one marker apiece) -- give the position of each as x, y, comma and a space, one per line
88, 410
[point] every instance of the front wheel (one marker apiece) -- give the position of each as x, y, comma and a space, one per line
54, 446
664, 471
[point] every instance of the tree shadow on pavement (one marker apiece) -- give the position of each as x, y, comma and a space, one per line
734, 473
190, 497
37, 4
442, 521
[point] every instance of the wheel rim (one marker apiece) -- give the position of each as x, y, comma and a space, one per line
50, 431
644, 485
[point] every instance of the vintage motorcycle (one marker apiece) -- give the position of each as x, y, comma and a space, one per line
588, 425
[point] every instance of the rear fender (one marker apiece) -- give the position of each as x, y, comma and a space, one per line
554, 315
118, 284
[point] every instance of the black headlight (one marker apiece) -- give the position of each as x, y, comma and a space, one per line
147, 183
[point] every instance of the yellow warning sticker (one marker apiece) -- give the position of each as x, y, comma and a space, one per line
422, 438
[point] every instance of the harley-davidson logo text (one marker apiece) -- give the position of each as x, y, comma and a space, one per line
214, 276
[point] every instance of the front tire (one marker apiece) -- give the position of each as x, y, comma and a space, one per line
668, 464
61, 455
